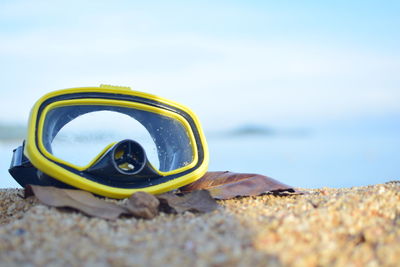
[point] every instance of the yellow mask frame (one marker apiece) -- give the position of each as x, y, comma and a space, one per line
33, 164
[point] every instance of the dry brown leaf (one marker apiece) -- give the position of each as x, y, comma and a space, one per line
140, 204
143, 205
77, 199
226, 185
196, 201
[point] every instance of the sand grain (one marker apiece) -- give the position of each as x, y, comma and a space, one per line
326, 227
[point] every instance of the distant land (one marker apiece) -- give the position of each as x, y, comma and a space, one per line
254, 130
251, 130
10, 132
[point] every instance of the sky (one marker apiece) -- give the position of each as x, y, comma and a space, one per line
278, 63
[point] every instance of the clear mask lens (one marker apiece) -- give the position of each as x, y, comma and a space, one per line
78, 134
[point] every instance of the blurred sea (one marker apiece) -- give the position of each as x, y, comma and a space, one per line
342, 155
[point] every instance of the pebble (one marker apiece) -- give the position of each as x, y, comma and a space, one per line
357, 226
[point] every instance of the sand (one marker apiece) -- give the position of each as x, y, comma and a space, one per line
357, 226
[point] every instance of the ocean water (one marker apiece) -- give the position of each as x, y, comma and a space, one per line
337, 157
312, 161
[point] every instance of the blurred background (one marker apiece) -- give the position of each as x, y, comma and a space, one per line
306, 92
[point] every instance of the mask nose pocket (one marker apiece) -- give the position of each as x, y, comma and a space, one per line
123, 160
129, 157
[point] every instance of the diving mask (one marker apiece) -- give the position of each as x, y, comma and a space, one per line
174, 154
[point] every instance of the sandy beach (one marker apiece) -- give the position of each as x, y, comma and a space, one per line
357, 226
